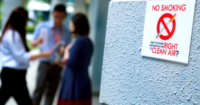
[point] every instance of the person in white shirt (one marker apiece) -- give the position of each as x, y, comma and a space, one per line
15, 58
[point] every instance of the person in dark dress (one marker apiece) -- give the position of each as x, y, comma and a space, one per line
76, 86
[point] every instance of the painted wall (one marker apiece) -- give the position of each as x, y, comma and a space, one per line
130, 79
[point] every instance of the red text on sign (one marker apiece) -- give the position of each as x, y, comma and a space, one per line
171, 7
155, 8
170, 46
159, 51
168, 49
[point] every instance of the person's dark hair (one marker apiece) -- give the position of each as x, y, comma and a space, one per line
17, 22
60, 8
81, 24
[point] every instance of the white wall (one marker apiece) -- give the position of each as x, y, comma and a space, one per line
130, 79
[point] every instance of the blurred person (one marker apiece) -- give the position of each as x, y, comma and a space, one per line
15, 59
48, 34
76, 86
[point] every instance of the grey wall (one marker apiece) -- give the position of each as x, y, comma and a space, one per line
130, 79
80, 6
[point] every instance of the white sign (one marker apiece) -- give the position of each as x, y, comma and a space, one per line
168, 30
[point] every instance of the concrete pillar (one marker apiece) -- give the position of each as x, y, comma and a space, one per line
97, 15
80, 6
8, 7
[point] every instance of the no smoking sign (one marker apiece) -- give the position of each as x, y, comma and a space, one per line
161, 21
168, 30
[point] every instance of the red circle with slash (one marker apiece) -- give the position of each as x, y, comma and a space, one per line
161, 20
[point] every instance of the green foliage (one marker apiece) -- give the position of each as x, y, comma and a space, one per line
0, 15
29, 45
30, 29
26, 4
45, 0
1, 5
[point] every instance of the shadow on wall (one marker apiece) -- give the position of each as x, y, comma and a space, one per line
98, 19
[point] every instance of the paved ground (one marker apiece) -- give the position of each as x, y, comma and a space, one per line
31, 77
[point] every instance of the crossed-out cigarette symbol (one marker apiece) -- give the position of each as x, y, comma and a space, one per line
171, 20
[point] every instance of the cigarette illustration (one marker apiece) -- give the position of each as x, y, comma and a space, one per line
167, 25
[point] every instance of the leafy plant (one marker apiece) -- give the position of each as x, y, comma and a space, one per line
30, 29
